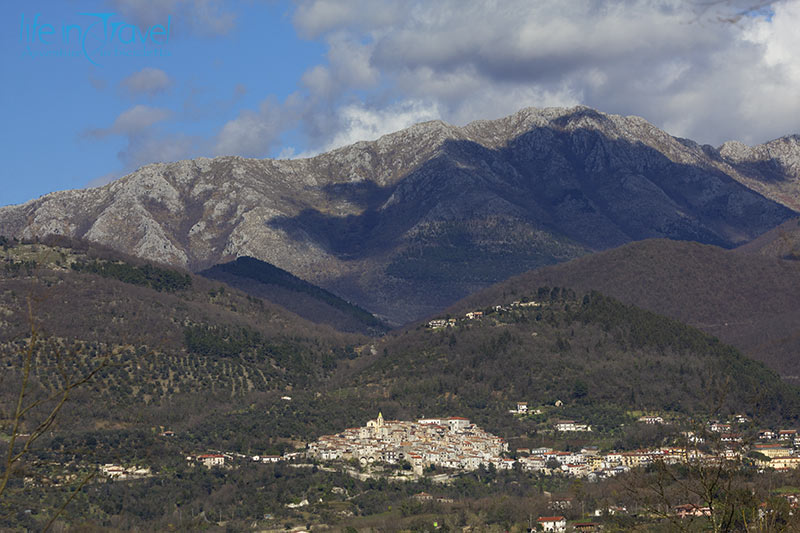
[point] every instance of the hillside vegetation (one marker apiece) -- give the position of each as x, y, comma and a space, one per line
264, 280
222, 370
745, 299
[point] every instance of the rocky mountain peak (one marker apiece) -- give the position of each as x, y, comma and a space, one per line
417, 218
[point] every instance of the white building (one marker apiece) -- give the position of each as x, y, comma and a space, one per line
457, 423
211, 460
571, 425
553, 523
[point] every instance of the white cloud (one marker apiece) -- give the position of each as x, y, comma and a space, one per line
313, 19
254, 133
287, 152
707, 70
359, 123
207, 17
710, 71
154, 148
144, 142
105, 179
132, 121
148, 81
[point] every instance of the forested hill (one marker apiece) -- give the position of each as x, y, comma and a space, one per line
749, 300
171, 333
264, 280
782, 242
179, 336
589, 351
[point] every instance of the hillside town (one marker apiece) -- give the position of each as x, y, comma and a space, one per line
456, 443
451, 442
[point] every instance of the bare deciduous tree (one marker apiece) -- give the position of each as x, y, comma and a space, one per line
38, 412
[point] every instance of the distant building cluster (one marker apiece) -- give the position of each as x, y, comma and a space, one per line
121, 473
439, 323
456, 443
451, 442
571, 425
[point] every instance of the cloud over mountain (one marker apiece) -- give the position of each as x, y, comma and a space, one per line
706, 71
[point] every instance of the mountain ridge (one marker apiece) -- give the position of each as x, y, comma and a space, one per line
306, 300
466, 206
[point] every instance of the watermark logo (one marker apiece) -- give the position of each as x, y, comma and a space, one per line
94, 36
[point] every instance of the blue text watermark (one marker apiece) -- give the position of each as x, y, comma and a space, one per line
94, 36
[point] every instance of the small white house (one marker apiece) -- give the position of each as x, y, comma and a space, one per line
457, 423
651, 420
553, 523
211, 460
571, 425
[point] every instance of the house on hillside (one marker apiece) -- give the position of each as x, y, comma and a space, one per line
766, 434
211, 460
730, 437
457, 423
571, 425
557, 524
651, 420
522, 408
772, 450
690, 509
785, 462
437, 323
113, 471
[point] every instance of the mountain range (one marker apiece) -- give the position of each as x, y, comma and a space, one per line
408, 224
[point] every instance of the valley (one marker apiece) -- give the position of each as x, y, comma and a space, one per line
217, 373
560, 318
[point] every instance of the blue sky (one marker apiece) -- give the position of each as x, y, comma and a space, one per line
56, 106
263, 78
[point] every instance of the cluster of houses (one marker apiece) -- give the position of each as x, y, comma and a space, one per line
458, 444
451, 442
777, 456
439, 323
121, 473
218, 459
783, 435
589, 463
778, 449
